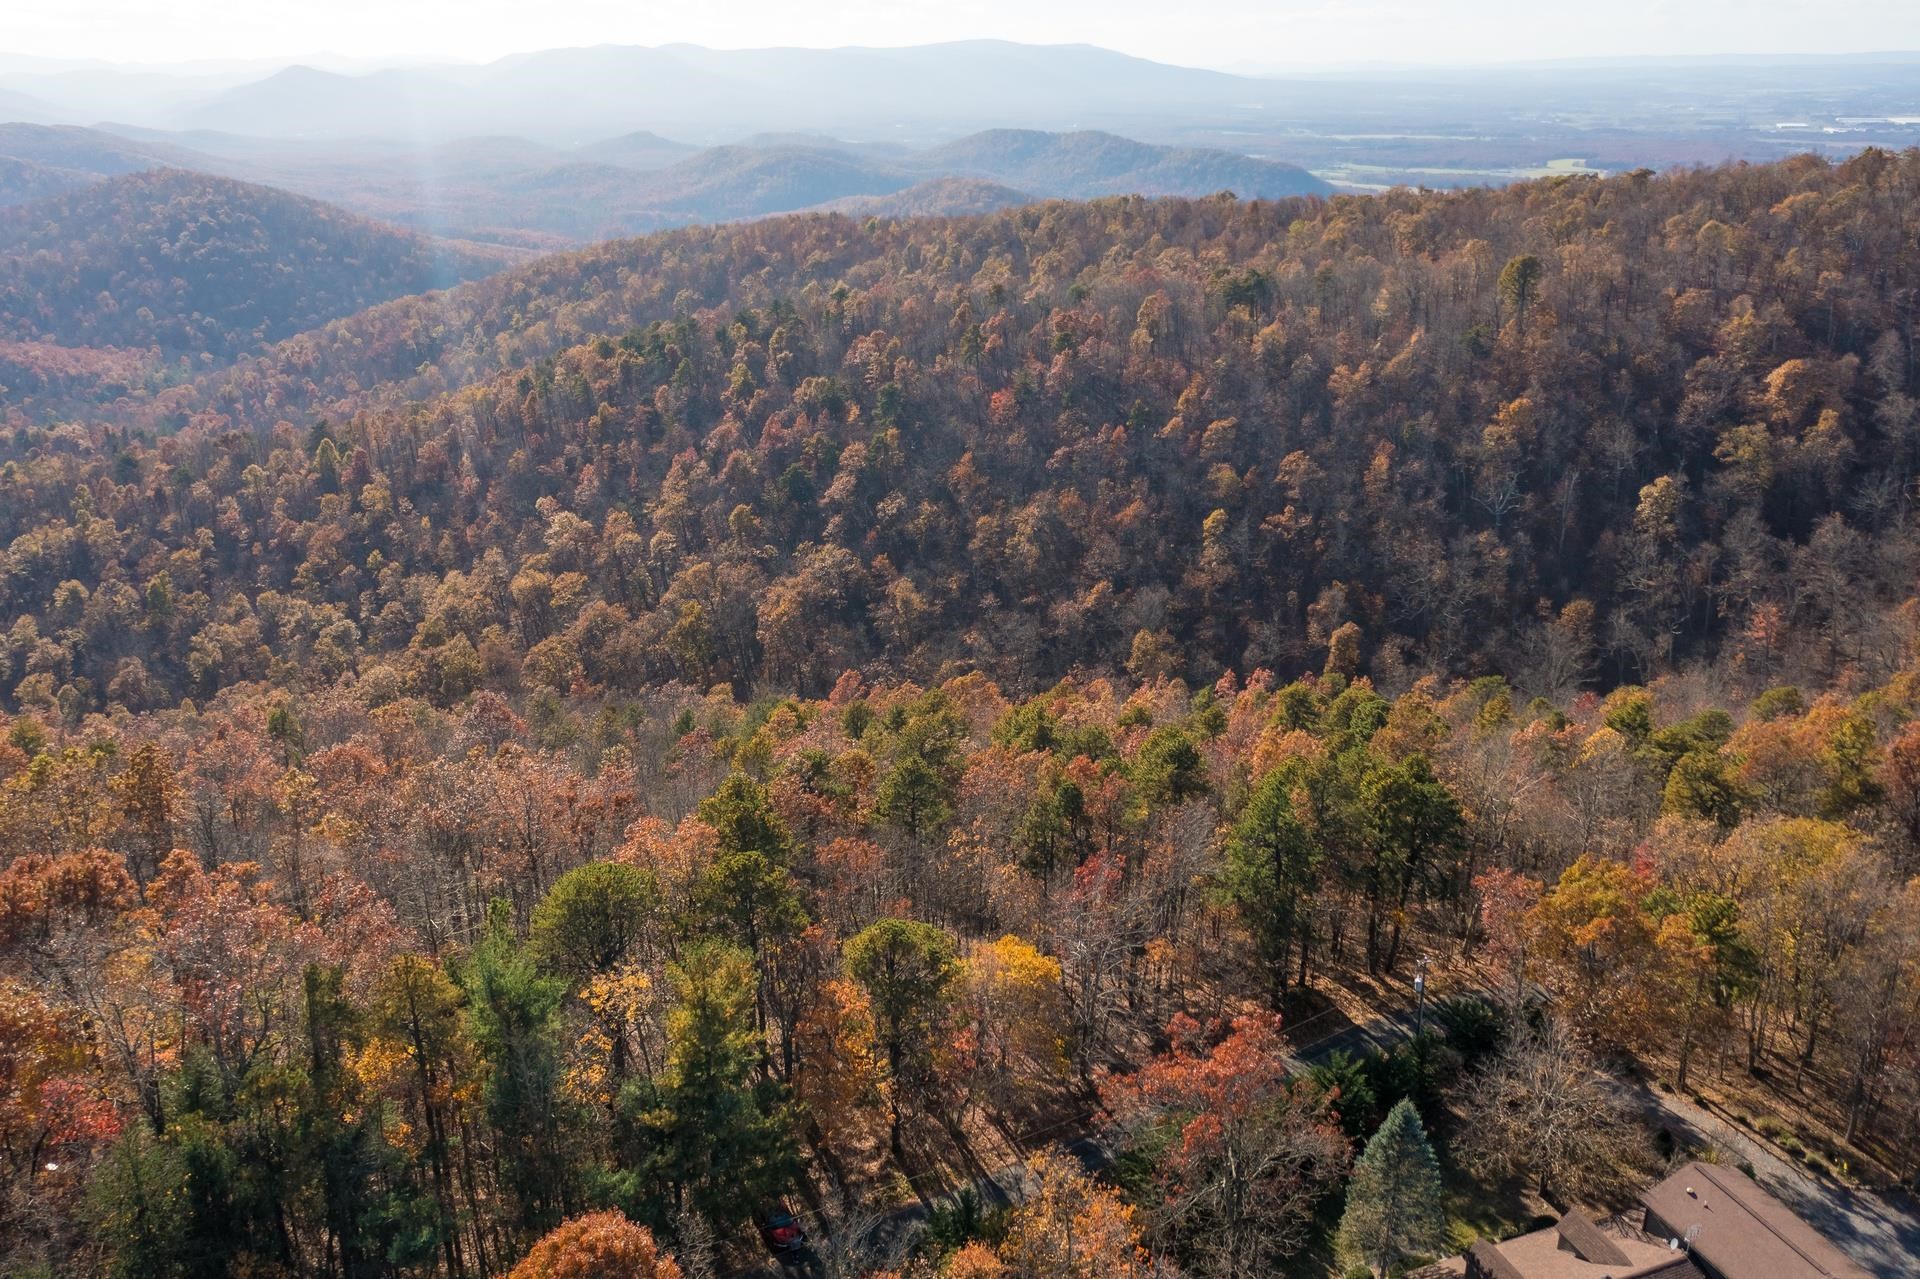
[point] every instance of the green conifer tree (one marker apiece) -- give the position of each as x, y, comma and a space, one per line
721, 1133
1395, 1200
1271, 873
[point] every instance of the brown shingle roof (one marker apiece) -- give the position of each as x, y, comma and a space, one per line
1742, 1231
1491, 1263
1579, 1234
1544, 1254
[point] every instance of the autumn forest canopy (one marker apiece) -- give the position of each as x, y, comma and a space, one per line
815, 710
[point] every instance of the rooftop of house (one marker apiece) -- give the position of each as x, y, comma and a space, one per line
1578, 1247
1703, 1222
1738, 1230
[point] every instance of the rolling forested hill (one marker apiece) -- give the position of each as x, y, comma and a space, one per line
93, 152
776, 174
194, 265
937, 197
640, 150
1569, 427
23, 181
1084, 164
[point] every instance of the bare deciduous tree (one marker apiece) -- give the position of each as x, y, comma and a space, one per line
1542, 1108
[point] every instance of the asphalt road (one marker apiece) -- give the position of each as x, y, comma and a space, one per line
1382, 1030
1377, 1034
889, 1234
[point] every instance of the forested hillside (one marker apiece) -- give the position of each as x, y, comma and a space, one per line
92, 153
824, 709
339, 982
1086, 163
201, 267
23, 181
1566, 431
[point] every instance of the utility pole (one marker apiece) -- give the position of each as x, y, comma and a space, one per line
1420, 994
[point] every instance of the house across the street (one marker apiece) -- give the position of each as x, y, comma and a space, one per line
1703, 1222
1738, 1230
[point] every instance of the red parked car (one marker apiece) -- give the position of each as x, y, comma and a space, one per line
786, 1241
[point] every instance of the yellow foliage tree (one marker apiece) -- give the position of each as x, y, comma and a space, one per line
1597, 950
839, 1074
1071, 1227
1019, 1007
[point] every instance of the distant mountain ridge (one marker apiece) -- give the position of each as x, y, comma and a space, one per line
937, 197
641, 149
22, 181
1360, 126
89, 151
1091, 163
583, 92
15, 105
510, 190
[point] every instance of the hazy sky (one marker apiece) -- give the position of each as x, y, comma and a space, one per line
1196, 32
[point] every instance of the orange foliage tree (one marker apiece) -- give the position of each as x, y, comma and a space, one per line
599, 1245
1253, 1150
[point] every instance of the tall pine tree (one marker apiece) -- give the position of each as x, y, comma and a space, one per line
515, 1012
1272, 870
730, 1128
1395, 1201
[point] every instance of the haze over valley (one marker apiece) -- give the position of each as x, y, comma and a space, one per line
426, 144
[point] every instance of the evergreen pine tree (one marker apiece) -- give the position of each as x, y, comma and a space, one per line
1395, 1201
724, 1134
515, 1010
1272, 867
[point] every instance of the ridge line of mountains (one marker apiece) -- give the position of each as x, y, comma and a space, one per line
514, 192
573, 94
